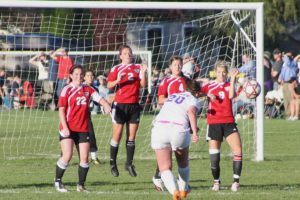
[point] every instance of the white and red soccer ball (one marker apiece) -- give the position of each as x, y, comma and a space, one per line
251, 88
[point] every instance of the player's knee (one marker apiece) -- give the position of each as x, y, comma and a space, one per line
114, 143
84, 164
62, 164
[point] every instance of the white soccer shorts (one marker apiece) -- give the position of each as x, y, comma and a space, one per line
169, 135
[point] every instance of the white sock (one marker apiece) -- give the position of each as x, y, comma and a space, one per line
169, 181
184, 178
94, 155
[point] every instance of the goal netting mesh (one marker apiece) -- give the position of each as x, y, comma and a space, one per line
92, 37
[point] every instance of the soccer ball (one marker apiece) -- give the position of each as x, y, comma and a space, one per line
251, 88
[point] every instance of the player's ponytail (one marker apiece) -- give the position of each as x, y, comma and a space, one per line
192, 86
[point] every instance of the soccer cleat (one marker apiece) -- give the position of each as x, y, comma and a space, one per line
96, 161
235, 187
114, 170
59, 186
131, 170
158, 184
184, 194
176, 195
81, 188
216, 186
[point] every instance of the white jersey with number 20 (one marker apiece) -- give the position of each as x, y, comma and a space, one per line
175, 109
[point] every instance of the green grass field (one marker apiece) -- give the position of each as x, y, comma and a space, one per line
29, 151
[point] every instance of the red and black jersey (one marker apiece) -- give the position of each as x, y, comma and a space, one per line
220, 110
171, 85
127, 91
76, 101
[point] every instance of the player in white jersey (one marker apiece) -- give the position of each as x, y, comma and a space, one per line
171, 131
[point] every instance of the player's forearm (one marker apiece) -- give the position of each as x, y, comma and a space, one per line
112, 84
231, 88
161, 99
144, 80
193, 119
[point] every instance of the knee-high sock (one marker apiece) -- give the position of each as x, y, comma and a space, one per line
184, 178
130, 147
114, 147
237, 167
83, 169
169, 181
60, 170
215, 163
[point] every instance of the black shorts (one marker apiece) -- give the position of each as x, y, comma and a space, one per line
77, 137
126, 113
219, 131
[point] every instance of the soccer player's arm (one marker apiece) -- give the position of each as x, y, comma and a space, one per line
192, 114
234, 73
162, 94
143, 75
62, 104
101, 100
113, 79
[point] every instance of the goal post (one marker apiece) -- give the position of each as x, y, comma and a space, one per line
134, 30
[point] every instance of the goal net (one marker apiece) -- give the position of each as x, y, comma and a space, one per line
92, 35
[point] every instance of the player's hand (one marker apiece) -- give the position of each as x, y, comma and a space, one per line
65, 132
195, 137
120, 77
107, 108
212, 97
234, 72
144, 68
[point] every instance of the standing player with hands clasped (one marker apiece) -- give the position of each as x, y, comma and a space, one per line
221, 123
171, 132
74, 126
126, 78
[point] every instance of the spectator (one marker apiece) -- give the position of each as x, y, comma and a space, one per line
2, 81
53, 69
276, 68
188, 65
286, 77
16, 92
268, 83
248, 67
102, 88
65, 63
294, 104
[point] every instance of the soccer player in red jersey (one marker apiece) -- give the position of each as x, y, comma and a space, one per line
221, 123
126, 78
74, 120
175, 83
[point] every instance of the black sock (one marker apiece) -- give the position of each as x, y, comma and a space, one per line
59, 173
82, 173
237, 168
157, 173
215, 165
113, 154
130, 147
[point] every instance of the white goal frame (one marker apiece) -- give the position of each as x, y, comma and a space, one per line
257, 7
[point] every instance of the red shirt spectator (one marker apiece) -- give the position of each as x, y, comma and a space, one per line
64, 65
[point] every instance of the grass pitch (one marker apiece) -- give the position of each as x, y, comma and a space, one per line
29, 155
